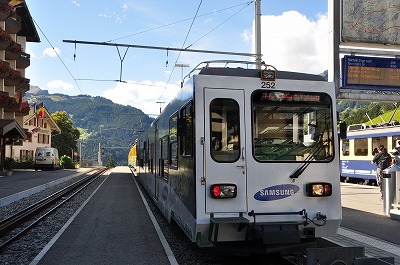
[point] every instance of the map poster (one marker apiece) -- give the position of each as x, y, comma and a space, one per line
371, 21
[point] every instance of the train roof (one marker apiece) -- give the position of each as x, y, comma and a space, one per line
257, 73
374, 131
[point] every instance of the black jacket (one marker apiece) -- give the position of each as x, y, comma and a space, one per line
382, 159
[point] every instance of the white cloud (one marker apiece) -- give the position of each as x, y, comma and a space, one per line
31, 53
75, 3
59, 84
143, 95
51, 52
291, 42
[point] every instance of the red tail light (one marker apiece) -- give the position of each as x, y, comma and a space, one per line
223, 191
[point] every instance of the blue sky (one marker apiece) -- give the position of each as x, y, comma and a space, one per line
294, 38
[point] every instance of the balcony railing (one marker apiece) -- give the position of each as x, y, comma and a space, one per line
24, 60
24, 85
13, 24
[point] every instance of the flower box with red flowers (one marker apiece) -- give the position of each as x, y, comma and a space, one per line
4, 69
4, 97
13, 51
5, 10
5, 39
14, 78
13, 104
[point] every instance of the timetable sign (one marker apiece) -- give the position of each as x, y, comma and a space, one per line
371, 73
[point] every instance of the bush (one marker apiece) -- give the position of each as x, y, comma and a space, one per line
25, 163
9, 163
66, 162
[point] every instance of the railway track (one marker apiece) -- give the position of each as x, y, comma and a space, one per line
15, 226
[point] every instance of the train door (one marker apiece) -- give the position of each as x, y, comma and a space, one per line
224, 148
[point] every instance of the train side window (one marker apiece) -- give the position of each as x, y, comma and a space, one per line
395, 141
376, 141
345, 147
151, 159
225, 144
185, 132
164, 165
173, 141
361, 147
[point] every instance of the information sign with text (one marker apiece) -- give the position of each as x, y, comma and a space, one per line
375, 73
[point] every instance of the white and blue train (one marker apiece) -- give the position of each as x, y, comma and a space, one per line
358, 150
246, 155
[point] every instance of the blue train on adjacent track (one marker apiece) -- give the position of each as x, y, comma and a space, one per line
358, 150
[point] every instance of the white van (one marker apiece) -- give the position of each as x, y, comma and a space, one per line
47, 158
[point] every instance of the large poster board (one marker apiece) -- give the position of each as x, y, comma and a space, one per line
371, 21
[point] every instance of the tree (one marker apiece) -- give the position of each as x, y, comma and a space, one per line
66, 162
110, 162
68, 139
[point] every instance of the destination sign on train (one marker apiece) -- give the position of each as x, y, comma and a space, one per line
371, 73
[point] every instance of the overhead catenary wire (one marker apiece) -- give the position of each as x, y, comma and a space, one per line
223, 22
184, 42
65, 66
180, 21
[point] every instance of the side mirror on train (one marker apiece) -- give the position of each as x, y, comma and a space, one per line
343, 130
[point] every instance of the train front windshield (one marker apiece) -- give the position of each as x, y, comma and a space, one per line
292, 126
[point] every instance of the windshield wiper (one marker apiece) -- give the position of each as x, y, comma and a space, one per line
303, 167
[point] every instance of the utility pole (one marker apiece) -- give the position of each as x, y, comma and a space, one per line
160, 102
257, 31
99, 154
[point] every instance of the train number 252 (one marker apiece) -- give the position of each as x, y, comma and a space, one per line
267, 84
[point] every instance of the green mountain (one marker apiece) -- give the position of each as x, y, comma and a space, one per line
100, 120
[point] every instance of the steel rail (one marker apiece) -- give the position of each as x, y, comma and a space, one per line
15, 220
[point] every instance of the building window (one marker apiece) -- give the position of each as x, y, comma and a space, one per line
43, 138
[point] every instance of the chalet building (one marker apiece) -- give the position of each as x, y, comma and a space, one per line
39, 126
16, 29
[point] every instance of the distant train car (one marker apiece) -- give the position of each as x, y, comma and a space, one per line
132, 157
246, 155
358, 151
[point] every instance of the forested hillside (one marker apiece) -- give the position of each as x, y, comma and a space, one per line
119, 123
354, 112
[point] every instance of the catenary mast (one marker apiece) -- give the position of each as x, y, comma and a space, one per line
257, 29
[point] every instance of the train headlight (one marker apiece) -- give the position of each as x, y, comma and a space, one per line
222, 191
318, 189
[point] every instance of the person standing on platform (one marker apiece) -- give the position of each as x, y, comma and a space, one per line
395, 157
382, 160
